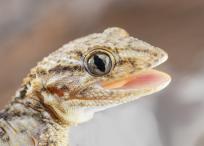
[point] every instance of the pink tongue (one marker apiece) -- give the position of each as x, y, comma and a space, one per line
145, 79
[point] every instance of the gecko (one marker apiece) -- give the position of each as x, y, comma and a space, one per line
85, 76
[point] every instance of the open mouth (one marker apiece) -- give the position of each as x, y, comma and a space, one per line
143, 80
125, 89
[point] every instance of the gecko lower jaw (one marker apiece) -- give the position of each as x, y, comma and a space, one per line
143, 80
114, 92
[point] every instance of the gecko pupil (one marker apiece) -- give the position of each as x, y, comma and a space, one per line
99, 63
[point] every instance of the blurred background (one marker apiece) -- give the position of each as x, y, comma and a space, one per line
31, 29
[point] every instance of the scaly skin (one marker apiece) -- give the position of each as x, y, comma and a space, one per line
61, 91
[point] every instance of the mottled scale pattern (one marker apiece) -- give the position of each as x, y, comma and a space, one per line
60, 91
124, 44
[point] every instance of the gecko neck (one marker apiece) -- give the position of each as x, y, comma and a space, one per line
27, 118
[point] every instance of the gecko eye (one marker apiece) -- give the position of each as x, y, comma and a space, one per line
99, 63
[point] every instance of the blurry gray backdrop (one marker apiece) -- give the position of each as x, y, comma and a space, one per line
31, 29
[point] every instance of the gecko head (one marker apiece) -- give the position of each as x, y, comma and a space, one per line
100, 71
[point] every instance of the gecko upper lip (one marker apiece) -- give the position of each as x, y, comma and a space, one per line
144, 79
